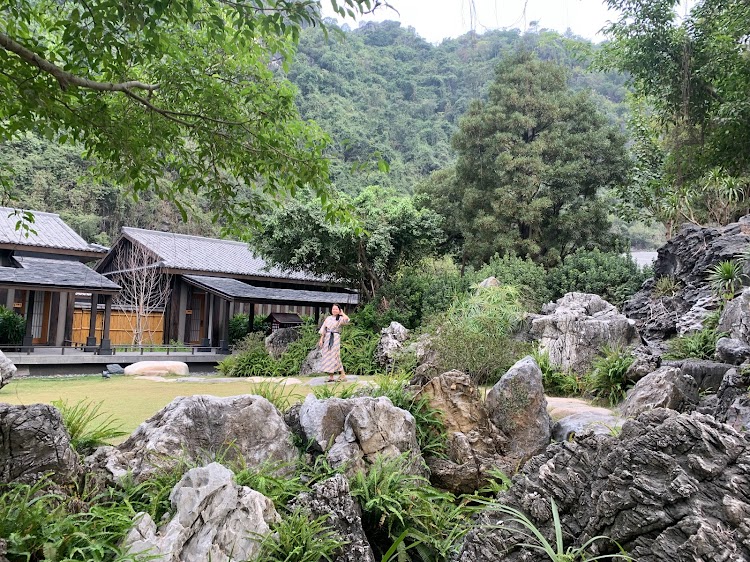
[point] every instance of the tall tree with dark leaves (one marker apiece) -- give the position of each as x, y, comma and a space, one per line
531, 160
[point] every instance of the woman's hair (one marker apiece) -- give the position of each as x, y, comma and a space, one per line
335, 304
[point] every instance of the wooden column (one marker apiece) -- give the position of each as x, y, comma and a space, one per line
224, 327
62, 317
28, 338
317, 315
106, 348
91, 339
181, 316
10, 299
251, 318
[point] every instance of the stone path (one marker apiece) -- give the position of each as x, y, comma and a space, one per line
315, 381
560, 407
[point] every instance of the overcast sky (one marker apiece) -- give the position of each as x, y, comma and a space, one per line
437, 19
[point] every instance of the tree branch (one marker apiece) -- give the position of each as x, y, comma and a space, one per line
65, 78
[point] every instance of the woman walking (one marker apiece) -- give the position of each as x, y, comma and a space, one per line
330, 343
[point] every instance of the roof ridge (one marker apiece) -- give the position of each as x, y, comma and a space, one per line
179, 235
30, 211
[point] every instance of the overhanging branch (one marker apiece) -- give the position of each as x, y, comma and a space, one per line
66, 79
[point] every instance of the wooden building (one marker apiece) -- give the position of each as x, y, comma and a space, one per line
209, 281
42, 270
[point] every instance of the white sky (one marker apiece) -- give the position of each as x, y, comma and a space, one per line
437, 19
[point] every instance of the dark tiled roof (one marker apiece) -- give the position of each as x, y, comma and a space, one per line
51, 232
52, 273
210, 255
285, 317
237, 290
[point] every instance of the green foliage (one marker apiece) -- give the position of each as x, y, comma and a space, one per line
607, 379
556, 382
475, 334
337, 390
725, 279
195, 93
666, 286
358, 347
87, 425
696, 345
516, 522
431, 434
531, 160
274, 480
249, 360
300, 538
239, 328
12, 327
276, 393
391, 232
610, 275
530, 278
39, 524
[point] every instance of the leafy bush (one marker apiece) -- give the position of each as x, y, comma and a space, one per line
239, 327
697, 345
475, 334
607, 378
87, 425
529, 277
556, 382
431, 434
358, 347
249, 360
610, 275
12, 327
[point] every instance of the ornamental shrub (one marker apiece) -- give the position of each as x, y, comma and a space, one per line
239, 327
12, 327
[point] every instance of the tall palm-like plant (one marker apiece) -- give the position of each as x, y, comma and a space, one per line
726, 278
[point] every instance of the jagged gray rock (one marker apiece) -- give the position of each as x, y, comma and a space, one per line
7, 370
332, 499
391, 344
735, 318
707, 374
692, 320
645, 360
33, 442
686, 257
574, 329
115, 369
313, 363
278, 341
200, 428
671, 488
732, 351
733, 402
668, 387
213, 519
354, 431
516, 405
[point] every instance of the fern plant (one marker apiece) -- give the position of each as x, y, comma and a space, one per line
607, 379
300, 538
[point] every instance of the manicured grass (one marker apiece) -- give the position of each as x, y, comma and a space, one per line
128, 399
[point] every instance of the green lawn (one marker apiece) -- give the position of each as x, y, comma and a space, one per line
128, 399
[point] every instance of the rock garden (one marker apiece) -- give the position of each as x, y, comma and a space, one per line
450, 454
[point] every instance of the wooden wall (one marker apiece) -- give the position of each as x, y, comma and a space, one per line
120, 327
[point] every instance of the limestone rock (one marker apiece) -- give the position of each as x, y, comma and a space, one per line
332, 498
354, 431
667, 387
154, 368
707, 374
34, 441
575, 328
733, 402
517, 407
732, 351
574, 425
489, 282
391, 344
198, 427
692, 320
735, 318
278, 341
645, 361
7, 370
214, 519
671, 488
686, 257
313, 363
115, 369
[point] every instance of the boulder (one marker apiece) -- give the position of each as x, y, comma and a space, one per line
213, 519
670, 488
353, 432
692, 320
668, 387
489, 282
278, 341
687, 257
645, 360
732, 401
115, 369
735, 318
707, 374
313, 363
732, 351
158, 368
517, 407
198, 428
7, 370
575, 328
574, 425
34, 442
391, 344
331, 498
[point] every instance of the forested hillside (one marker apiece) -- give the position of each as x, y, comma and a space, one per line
380, 91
